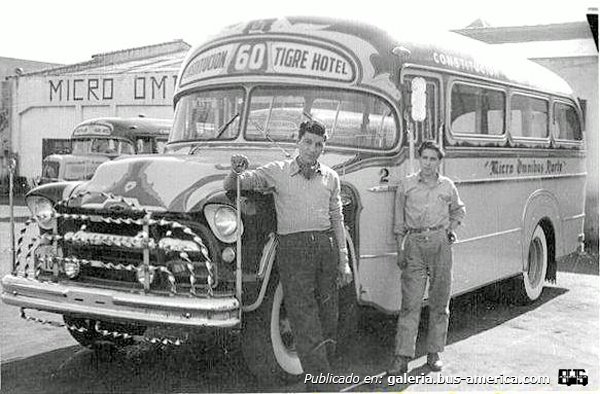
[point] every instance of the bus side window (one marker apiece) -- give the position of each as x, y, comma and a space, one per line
567, 122
144, 145
477, 110
126, 148
528, 117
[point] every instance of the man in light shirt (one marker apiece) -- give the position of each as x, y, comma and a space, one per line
312, 253
428, 209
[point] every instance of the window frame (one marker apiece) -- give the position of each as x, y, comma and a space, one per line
240, 119
545, 140
476, 138
555, 128
329, 145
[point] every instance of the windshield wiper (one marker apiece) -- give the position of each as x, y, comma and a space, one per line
267, 137
219, 132
226, 125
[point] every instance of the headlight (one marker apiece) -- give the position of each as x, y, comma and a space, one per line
225, 221
43, 210
222, 221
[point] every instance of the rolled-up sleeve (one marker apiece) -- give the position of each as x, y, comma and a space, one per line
457, 210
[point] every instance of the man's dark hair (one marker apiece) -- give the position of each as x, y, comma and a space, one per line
431, 144
313, 127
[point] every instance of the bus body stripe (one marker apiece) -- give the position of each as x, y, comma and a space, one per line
519, 179
460, 241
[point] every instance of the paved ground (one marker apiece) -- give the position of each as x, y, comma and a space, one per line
489, 336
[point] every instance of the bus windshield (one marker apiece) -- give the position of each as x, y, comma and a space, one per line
208, 115
102, 145
353, 119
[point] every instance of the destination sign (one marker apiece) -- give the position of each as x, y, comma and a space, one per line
92, 129
299, 59
270, 57
208, 64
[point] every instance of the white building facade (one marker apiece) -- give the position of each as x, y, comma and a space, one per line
48, 104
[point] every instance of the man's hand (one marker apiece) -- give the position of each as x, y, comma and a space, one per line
345, 273
401, 249
239, 163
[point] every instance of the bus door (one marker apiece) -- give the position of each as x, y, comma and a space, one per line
423, 118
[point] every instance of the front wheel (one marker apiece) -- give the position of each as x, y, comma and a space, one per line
534, 273
268, 342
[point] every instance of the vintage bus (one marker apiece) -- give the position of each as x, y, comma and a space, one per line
95, 141
151, 241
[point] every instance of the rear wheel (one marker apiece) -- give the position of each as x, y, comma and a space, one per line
534, 274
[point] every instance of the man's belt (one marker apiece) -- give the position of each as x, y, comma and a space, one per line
425, 229
327, 232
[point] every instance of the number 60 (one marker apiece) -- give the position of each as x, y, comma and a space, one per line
250, 57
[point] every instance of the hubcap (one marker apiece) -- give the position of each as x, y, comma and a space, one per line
285, 329
534, 269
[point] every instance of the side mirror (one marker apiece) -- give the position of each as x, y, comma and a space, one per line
418, 99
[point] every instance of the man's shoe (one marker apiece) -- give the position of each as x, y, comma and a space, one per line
434, 362
399, 366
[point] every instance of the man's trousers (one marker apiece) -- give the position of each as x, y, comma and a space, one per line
428, 254
308, 266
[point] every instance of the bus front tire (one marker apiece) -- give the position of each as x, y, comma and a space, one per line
268, 343
534, 274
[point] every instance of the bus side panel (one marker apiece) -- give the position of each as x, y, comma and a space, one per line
566, 192
571, 199
378, 272
489, 244
498, 192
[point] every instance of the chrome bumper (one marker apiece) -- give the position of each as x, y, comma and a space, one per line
110, 305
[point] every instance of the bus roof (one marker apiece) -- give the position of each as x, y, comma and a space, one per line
380, 52
124, 127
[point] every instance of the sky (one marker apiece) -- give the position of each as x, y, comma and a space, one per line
66, 31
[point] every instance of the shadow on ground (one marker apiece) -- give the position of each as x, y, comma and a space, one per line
148, 369
470, 315
137, 370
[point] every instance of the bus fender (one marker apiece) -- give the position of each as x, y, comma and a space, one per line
542, 206
265, 267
